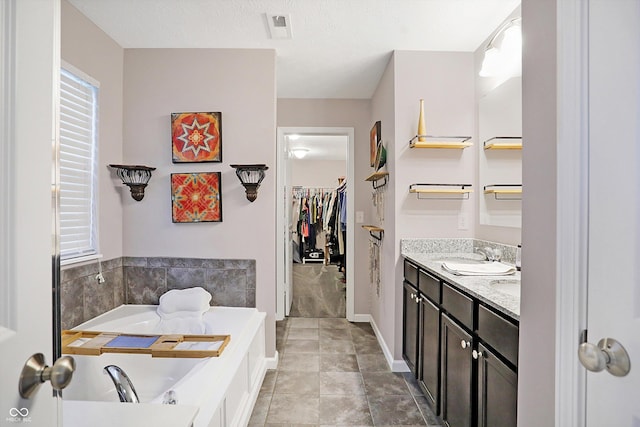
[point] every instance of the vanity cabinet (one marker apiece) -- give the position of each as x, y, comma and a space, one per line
463, 353
457, 374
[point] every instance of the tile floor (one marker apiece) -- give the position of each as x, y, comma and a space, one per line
332, 372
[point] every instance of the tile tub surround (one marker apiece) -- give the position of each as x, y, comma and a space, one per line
142, 280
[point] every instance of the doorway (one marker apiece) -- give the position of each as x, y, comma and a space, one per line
329, 152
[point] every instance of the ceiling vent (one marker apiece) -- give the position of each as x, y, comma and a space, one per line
279, 26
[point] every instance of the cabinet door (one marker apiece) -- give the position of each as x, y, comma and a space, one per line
430, 351
410, 326
457, 374
497, 391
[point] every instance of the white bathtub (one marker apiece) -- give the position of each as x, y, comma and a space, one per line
224, 388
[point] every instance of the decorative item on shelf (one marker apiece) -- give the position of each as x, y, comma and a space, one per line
375, 136
422, 128
196, 137
136, 177
381, 156
441, 191
507, 58
250, 176
196, 197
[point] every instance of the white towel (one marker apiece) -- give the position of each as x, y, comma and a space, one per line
194, 300
181, 311
488, 269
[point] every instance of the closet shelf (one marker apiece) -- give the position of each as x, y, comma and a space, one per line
378, 176
436, 191
372, 229
504, 191
430, 141
503, 143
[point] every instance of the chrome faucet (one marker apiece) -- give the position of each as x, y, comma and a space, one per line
124, 386
490, 254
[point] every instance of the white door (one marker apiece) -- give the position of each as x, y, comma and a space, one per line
614, 205
29, 65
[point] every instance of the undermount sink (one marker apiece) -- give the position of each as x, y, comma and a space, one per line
461, 260
506, 286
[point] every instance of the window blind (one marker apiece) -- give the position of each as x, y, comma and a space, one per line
78, 107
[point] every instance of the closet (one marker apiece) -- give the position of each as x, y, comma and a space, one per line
319, 224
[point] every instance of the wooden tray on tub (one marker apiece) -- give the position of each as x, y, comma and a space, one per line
95, 343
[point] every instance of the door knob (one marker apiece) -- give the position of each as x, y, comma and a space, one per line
36, 371
477, 354
465, 344
609, 354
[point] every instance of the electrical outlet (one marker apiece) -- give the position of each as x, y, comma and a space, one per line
463, 221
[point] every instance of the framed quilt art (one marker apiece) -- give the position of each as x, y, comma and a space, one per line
196, 197
196, 137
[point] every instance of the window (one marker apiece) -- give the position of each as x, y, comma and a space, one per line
78, 141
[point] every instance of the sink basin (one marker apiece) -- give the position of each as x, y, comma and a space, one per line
461, 260
507, 286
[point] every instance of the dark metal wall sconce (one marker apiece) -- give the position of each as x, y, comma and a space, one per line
250, 176
135, 177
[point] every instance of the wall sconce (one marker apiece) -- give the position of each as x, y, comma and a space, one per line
135, 177
250, 176
506, 59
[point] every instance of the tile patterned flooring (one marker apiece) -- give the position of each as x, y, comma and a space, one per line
333, 373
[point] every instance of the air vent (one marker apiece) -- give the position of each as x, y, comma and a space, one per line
279, 26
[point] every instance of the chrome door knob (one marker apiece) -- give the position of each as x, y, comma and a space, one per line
36, 371
609, 354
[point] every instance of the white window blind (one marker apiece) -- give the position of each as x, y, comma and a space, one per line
78, 139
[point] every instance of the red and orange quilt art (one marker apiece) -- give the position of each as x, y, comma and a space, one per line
195, 197
196, 137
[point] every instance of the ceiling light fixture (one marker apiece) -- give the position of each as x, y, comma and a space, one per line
299, 152
505, 59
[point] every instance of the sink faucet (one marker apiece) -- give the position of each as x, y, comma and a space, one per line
124, 387
490, 254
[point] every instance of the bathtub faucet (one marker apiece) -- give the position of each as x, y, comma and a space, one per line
124, 387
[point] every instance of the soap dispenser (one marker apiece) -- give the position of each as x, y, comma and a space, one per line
519, 257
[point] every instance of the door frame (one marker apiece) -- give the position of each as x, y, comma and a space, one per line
282, 185
572, 208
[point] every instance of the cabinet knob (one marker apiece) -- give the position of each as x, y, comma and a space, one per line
477, 354
465, 344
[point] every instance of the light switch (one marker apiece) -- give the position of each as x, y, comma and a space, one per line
463, 221
359, 217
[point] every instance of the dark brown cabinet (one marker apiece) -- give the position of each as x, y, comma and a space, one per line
463, 352
457, 374
497, 391
410, 324
429, 373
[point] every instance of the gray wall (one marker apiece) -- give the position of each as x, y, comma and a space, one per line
536, 374
89, 49
342, 113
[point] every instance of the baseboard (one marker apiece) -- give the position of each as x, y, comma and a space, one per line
361, 318
394, 365
272, 362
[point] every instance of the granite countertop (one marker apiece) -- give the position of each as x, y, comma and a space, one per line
478, 286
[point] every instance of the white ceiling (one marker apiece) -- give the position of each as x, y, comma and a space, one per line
339, 48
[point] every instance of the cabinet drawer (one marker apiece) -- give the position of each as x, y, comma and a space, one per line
499, 333
411, 273
458, 305
430, 286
